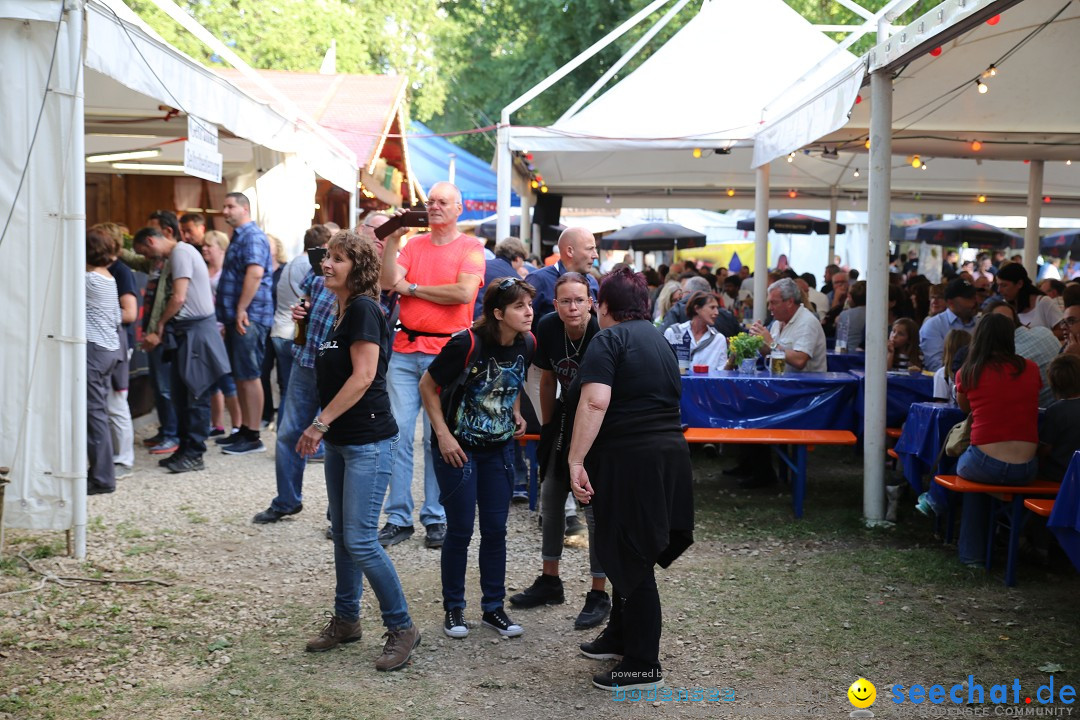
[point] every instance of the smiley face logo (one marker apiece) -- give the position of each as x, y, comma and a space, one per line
862, 693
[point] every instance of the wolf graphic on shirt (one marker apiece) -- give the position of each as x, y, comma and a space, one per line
486, 413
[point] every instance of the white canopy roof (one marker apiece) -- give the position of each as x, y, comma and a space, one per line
705, 87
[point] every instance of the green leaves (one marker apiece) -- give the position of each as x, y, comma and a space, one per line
745, 345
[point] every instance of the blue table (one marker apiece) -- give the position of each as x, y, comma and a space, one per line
793, 401
920, 442
903, 389
1064, 519
845, 362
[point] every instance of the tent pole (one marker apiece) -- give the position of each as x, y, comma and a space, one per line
71, 98
1034, 215
353, 208
834, 206
503, 168
877, 311
761, 243
527, 235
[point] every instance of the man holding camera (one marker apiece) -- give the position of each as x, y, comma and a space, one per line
437, 276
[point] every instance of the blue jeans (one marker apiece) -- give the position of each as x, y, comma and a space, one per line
298, 407
977, 466
403, 383
284, 357
487, 481
356, 479
161, 377
192, 413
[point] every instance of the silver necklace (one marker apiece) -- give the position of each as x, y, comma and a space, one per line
568, 343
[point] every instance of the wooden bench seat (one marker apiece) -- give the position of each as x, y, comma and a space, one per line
799, 442
1013, 498
893, 433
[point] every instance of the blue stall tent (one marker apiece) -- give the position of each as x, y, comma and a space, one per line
1064, 519
429, 160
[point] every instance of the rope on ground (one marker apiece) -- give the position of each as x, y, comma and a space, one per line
68, 580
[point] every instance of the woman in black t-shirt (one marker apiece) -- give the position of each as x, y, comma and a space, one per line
561, 340
473, 452
360, 436
629, 459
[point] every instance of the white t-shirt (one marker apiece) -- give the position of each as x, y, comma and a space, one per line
714, 352
804, 334
1046, 314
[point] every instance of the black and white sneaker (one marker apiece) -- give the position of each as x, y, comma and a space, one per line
186, 463
626, 677
234, 437
602, 648
392, 534
454, 625
498, 621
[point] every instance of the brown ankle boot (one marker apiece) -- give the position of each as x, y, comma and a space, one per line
398, 648
337, 631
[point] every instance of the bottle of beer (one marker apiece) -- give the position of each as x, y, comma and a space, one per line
300, 338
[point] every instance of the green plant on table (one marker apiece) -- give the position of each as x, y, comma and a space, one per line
744, 346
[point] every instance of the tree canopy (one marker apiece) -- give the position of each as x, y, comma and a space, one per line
465, 59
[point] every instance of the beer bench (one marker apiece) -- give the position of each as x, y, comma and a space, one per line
791, 445
1012, 498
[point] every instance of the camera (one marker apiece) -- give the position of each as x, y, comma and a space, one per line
410, 218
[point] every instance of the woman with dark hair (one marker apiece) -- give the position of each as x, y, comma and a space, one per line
706, 345
103, 356
1001, 391
1033, 308
562, 337
360, 436
628, 457
473, 426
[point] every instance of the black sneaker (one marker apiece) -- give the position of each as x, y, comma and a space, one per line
270, 515
92, 489
153, 440
597, 607
186, 463
435, 536
545, 590
500, 623
602, 648
164, 462
234, 437
392, 534
454, 624
574, 526
626, 677
244, 447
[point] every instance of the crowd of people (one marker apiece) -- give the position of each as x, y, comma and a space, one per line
370, 334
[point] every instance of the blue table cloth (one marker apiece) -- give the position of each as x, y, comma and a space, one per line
844, 362
920, 442
792, 401
1064, 519
903, 389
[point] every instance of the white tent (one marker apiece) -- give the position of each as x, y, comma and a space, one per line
81, 65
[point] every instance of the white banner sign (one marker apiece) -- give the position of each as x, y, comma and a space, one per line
201, 156
202, 163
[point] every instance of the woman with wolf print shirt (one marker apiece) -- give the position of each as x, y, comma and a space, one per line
473, 428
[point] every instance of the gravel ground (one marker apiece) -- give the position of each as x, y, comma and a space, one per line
232, 579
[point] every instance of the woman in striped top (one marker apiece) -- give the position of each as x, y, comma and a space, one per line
102, 356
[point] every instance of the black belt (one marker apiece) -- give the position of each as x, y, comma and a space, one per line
413, 334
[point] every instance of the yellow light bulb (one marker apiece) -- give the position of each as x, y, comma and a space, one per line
867, 144
981, 198
731, 192
697, 152
976, 146
983, 87
543, 188
916, 162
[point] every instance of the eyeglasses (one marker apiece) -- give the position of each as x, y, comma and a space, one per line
1070, 320
567, 302
440, 203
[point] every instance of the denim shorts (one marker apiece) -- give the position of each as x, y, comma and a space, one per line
225, 385
246, 351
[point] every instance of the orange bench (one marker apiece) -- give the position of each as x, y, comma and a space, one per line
1012, 496
894, 433
1039, 506
800, 440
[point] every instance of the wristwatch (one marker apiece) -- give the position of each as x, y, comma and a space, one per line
412, 288
774, 345
320, 425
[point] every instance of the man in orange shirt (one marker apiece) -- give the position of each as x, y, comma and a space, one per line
437, 276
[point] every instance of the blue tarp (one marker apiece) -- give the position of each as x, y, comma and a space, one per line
1065, 518
795, 401
430, 161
